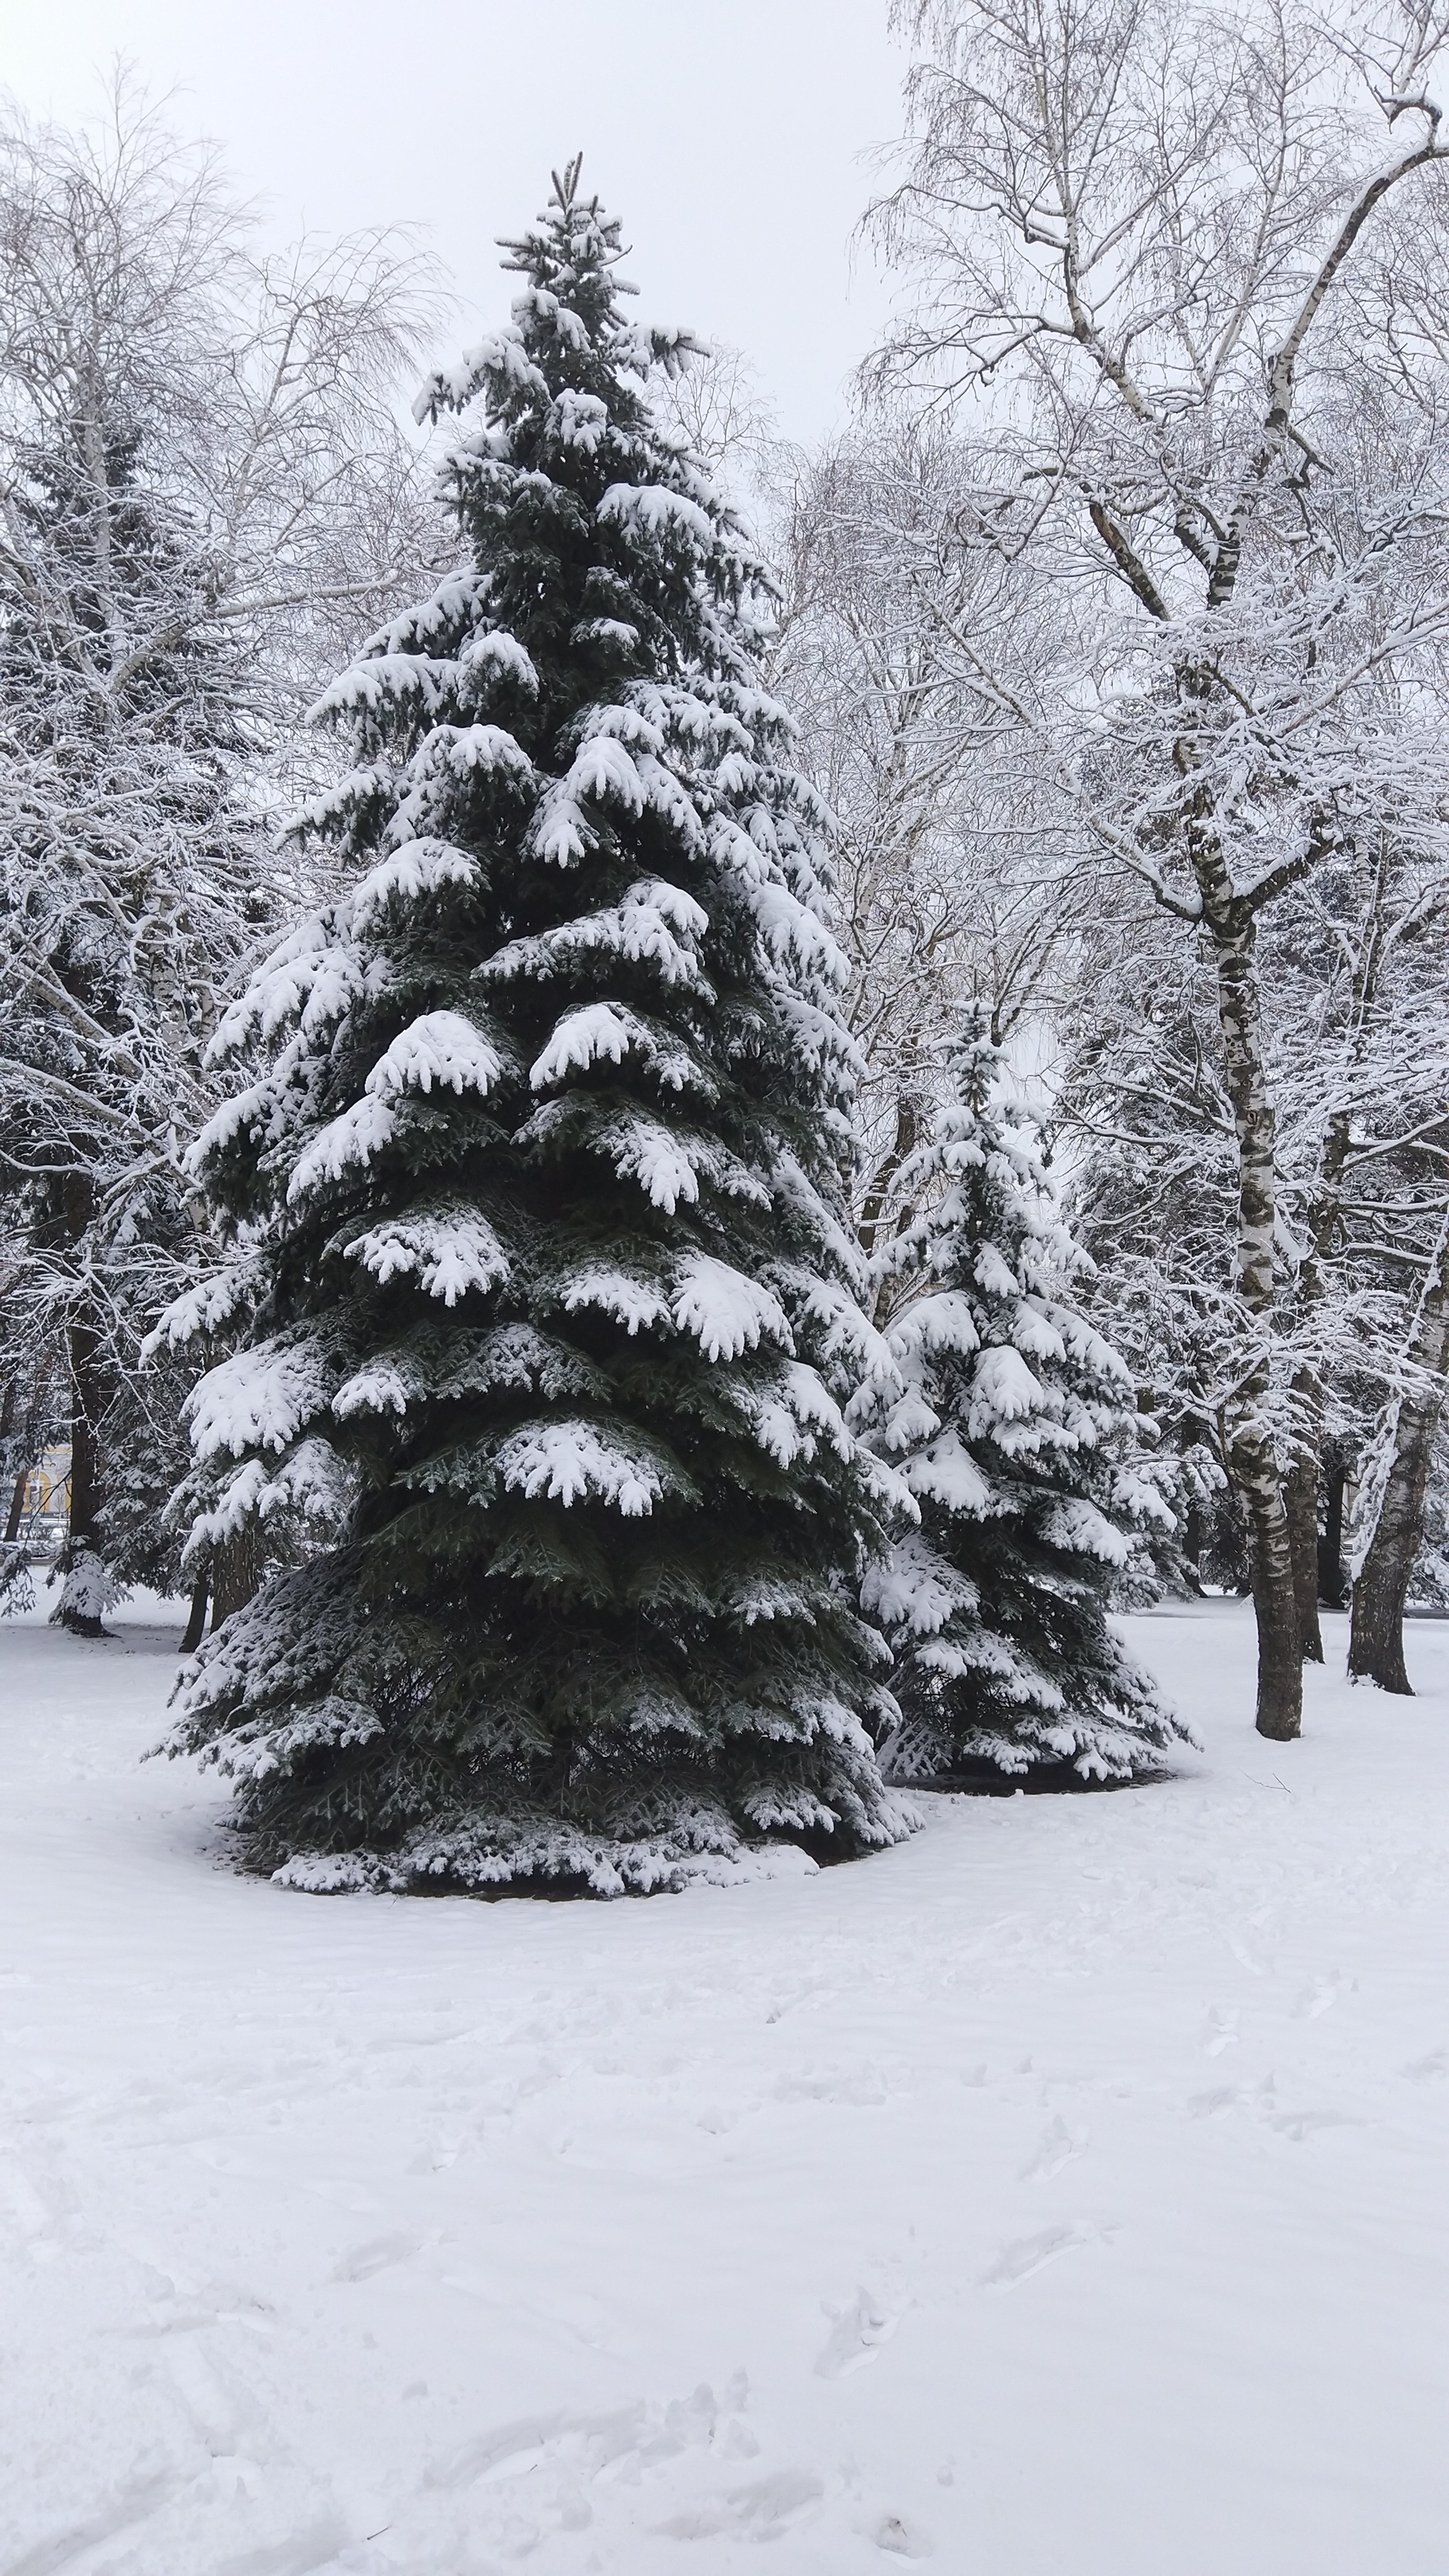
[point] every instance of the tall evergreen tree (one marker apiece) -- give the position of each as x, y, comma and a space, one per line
1011, 1425
539, 1204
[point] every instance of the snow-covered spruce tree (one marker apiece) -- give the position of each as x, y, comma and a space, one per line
556, 1301
1013, 1431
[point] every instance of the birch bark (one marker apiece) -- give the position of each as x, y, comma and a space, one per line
1376, 1634
1252, 1450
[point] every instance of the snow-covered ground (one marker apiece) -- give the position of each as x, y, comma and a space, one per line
1064, 2194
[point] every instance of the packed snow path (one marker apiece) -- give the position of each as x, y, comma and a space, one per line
1062, 2194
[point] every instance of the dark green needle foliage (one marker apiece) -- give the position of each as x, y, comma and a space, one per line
537, 1204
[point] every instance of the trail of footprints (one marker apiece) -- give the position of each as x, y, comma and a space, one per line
572, 2490
684, 2471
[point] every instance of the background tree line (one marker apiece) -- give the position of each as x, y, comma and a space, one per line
1115, 625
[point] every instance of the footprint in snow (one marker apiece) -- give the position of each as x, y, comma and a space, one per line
341, 2193
857, 2336
1299, 2125
859, 2086
1320, 1997
34, 2216
217, 2412
140, 2502
1232, 2097
317, 2547
1245, 1958
514, 2449
360, 2263
600, 2448
1028, 2254
1222, 2030
1210, 2106
222, 2159
761, 2511
1057, 2147
900, 2538
1422, 2070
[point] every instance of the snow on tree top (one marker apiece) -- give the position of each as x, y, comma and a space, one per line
658, 512
344, 1143
417, 867
726, 1312
1003, 1389
633, 1302
381, 1386
917, 1588
441, 1047
381, 680
569, 1460
641, 927
940, 1322
946, 1473
609, 1031
498, 651
449, 1250
258, 1399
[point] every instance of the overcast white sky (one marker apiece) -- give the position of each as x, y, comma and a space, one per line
727, 133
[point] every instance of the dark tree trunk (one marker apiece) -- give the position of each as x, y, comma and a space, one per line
1305, 1478
79, 1610
87, 1404
8, 1440
1275, 1606
1194, 1540
1376, 1631
903, 1144
1230, 922
1376, 1634
196, 1619
1332, 1589
1301, 1500
235, 1575
84, 1483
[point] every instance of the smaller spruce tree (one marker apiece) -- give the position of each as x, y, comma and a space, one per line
1012, 1424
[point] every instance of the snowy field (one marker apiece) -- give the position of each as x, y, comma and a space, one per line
1063, 2194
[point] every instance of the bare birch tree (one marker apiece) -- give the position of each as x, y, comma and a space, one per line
923, 671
